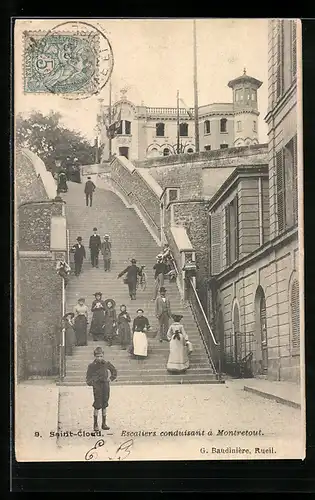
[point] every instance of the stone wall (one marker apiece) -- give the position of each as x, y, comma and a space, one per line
273, 270
40, 297
204, 157
187, 177
193, 216
28, 186
199, 175
137, 190
38, 305
34, 224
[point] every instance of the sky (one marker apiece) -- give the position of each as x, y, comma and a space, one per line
153, 58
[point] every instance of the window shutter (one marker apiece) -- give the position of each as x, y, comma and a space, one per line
215, 240
280, 190
293, 49
227, 235
279, 86
295, 182
295, 315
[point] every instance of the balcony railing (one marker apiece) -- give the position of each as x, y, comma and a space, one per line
170, 111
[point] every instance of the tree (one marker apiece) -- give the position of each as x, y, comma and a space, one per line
45, 136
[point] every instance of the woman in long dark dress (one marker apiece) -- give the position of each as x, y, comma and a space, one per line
70, 340
98, 318
80, 322
124, 331
110, 321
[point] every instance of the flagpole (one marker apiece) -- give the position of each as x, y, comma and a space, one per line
196, 90
110, 119
178, 122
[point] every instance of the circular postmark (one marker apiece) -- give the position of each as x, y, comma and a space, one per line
73, 60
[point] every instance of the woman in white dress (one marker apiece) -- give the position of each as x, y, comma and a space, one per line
178, 360
140, 341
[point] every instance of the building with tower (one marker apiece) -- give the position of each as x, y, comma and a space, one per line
148, 132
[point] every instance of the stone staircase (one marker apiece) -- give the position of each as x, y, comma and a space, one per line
130, 238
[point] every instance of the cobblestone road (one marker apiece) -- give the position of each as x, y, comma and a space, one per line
199, 408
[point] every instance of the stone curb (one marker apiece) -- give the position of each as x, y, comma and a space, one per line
273, 397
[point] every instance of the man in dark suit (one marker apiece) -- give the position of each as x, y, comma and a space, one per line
131, 280
79, 254
89, 189
95, 246
163, 313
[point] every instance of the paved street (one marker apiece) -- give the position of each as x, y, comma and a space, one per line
170, 408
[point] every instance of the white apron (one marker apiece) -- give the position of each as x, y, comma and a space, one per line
140, 344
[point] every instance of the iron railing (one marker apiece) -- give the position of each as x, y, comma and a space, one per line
212, 346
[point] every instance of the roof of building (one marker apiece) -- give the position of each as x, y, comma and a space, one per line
245, 79
226, 185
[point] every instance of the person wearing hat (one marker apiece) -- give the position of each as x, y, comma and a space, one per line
89, 189
69, 333
160, 268
163, 313
98, 318
79, 254
80, 311
178, 360
95, 246
110, 321
106, 249
140, 341
133, 271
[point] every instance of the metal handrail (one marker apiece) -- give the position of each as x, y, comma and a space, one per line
217, 344
203, 313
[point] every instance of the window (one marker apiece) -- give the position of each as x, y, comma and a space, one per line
207, 127
254, 95
166, 152
208, 148
239, 126
127, 127
183, 129
237, 334
160, 129
231, 231
224, 146
123, 151
173, 195
190, 150
280, 58
119, 130
223, 125
295, 315
153, 153
287, 188
254, 126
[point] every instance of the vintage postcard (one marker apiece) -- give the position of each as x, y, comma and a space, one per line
159, 286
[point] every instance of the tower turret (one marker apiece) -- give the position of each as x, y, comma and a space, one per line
246, 112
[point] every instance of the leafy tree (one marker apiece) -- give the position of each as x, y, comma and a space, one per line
45, 136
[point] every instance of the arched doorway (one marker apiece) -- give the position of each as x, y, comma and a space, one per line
261, 331
237, 334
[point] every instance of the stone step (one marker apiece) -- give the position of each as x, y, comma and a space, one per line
150, 382
130, 238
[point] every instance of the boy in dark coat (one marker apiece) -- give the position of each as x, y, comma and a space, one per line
98, 377
132, 276
89, 189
